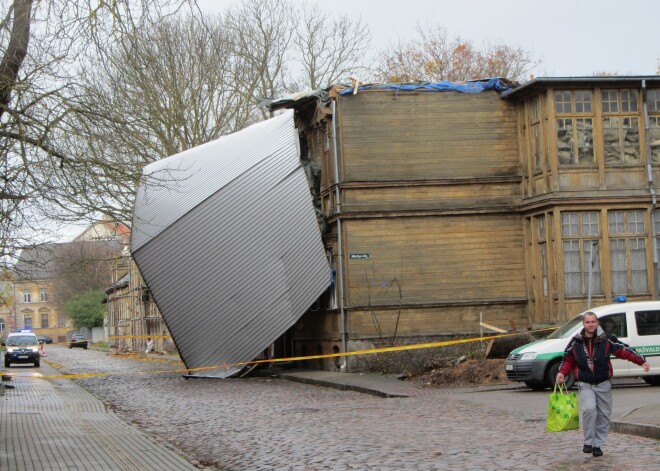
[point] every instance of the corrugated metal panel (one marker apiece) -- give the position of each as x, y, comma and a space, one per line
172, 187
238, 269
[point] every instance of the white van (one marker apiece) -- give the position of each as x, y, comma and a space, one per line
636, 324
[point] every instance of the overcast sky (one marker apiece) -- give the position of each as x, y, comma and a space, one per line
573, 38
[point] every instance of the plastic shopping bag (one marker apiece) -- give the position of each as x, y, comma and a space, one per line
562, 410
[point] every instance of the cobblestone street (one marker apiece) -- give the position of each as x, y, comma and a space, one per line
264, 424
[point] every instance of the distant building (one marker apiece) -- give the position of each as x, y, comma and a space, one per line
6, 302
106, 229
34, 294
37, 303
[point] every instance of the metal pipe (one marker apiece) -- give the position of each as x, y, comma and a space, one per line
340, 255
649, 167
591, 271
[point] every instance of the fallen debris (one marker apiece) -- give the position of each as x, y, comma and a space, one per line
466, 373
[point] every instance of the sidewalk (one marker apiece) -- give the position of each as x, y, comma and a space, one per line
56, 424
644, 422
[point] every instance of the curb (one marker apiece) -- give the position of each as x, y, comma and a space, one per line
340, 386
641, 430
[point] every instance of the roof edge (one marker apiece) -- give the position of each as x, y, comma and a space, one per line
544, 82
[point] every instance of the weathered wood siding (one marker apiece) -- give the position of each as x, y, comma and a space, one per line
433, 320
417, 262
447, 164
431, 196
389, 136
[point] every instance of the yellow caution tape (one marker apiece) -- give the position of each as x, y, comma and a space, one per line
416, 346
112, 337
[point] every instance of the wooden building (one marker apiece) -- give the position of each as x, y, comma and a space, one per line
132, 315
590, 156
441, 208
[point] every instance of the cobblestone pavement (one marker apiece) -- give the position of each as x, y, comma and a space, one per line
270, 424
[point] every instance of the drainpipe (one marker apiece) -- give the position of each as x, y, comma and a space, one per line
649, 167
340, 271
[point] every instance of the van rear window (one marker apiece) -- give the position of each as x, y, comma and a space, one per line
648, 322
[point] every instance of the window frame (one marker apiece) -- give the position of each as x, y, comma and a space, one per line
580, 239
628, 235
535, 134
653, 96
625, 102
639, 323
571, 128
619, 319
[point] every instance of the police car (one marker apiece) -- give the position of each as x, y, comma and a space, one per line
22, 347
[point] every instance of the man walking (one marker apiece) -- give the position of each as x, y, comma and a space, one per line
588, 356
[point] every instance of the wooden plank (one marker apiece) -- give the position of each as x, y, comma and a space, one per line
492, 327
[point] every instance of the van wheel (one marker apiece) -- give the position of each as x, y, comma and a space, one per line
652, 380
37, 363
552, 375
7, 363
535, 386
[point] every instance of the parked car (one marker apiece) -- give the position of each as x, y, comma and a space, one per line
78, 340
22, 347
44, 339
636, 324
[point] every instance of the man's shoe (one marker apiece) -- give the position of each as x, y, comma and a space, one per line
597, 451
587, 449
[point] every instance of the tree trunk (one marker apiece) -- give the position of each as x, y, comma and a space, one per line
16, 51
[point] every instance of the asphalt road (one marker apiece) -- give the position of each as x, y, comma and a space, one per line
272, 424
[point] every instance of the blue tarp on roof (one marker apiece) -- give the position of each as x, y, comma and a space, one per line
469, 87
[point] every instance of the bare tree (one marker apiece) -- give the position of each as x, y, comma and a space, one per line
168, 87
329, 49
42, 46
90, 92
434, 56
261, 32
82, 266
172, 86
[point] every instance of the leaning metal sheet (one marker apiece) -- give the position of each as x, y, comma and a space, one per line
237, 268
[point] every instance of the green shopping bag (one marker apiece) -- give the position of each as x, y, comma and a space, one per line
562, 410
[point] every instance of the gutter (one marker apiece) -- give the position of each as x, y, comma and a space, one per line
546, 81
649, 167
